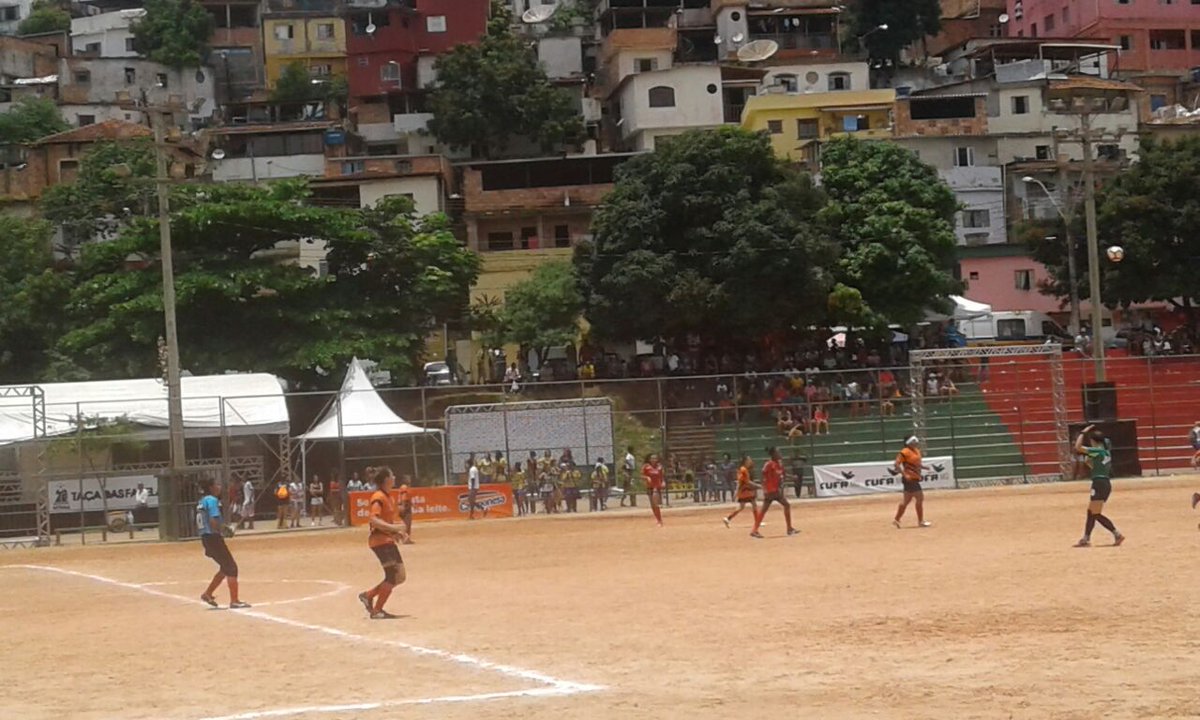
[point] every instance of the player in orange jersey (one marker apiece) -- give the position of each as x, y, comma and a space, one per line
746, 490
382, 541
908, 466
652, 473
772, 474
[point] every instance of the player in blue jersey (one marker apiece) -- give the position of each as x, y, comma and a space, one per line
212, 529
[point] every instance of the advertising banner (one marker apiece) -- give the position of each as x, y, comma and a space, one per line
69, 496
877, 477
447, 502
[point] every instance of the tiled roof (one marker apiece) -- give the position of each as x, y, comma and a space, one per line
107, 130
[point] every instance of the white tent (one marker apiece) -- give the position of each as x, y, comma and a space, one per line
250, 404
964, 309
359, 413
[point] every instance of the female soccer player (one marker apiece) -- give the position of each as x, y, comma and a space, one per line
908, 466
772, 474
746, 491
211, 526
652, 473
1092, 444
382, 541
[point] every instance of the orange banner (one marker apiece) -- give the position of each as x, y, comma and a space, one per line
448, 502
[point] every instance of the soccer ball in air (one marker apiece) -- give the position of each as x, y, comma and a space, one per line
1116, 253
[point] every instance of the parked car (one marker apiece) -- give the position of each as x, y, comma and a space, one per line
438, 373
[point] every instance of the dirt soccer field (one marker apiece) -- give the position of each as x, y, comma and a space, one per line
989, 614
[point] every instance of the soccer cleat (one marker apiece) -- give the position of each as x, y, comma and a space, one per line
925, 523
726, 521
1195, 500
212, 601
1083, 542
756, 534
1118, 540
239, 605
896, 524
366, 601
793, 531
383, 615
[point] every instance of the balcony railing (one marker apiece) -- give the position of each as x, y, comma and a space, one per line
799, 41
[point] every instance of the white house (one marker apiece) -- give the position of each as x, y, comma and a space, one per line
663, 103
105, 35
12, 12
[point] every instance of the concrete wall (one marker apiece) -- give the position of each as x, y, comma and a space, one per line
502, 270
267, 168
695, 106
426, 191
561, 55
110, 30
995, 283
105, 77
23, 7
814, 77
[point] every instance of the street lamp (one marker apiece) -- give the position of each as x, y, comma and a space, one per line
1072, 277
877, 28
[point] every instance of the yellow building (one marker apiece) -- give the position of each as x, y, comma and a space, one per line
319, 42
799, 122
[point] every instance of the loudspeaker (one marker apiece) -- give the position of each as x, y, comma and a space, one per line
1123, 438
1100, 401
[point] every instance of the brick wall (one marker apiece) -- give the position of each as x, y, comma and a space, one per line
905, 126
479, 200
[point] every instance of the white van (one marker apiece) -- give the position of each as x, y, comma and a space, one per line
1018, 326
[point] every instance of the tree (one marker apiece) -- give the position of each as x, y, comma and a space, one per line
30, 119
710, 234
32, 299
174, 32
489, 93
1152, 210
295, 85
893, 218
542, 311
908, 21
115, 184
45, 17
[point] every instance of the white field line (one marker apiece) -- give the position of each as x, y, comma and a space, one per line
338, 587
555, 686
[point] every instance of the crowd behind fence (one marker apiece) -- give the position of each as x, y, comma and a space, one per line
995, 419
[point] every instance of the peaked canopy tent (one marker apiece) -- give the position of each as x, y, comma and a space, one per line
358, 413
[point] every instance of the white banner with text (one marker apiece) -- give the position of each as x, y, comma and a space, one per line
877, 477
118, 493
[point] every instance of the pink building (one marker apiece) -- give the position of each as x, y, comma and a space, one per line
1154, 35
1008, 282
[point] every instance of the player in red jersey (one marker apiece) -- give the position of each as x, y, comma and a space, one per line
772, 478
652, 473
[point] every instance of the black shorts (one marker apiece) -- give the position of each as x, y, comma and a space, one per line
388, 554
215, 548
1101, 489
912, 486
771, 497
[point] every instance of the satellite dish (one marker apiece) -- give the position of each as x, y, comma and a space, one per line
757, 50
539, 14
218, 154
738, 38
1003, 18
717, 40
371, 28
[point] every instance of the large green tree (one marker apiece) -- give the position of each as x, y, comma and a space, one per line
542, 311
32, 299
893, 220
175, 33
710, 234
492, 92
1152, 210
45, 17
908, 21
115, 185
29, 119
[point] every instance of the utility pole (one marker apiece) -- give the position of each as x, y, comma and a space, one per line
1067, 210
1089, 209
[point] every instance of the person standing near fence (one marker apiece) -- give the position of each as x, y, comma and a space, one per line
652, 474
1194, 436
910, 468
296, 500
627, 468
211, 527
517, 478
316, 500
600, 485
335, 498
141, 505
382, 541
472, 486
281, 503
1092, 445
248, 498
772, 474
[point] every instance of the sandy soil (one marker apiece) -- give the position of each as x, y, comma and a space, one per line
989, 614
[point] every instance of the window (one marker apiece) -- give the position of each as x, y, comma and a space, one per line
1108, 151
92, 48
977, 218
964, 157
129, 45
320, 70
789, 83
353, 167
500, 241
1157, 101
1168, 40
1123, 2
662, 96
324, 31
856, 123
83, 77
775, 127
562, 236
1126, 42
10, 13
1010, 329
68, 170
389, 72
645, 65
284, 32
529, 238
1020, 105
161, 80
130, 76
973, 275
1066, 14
1033, 30
807, 129
1043, 152
839, 81
1048, 23
435, 24
87, 120
1023, 280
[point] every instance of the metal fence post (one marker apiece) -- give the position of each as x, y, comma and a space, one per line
1153, 415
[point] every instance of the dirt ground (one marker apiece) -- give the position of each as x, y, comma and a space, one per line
989, 614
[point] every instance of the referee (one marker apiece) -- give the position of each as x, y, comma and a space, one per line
212, 528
